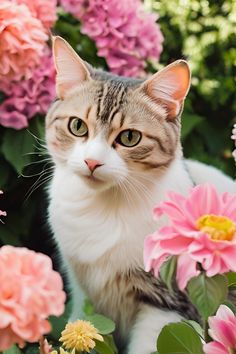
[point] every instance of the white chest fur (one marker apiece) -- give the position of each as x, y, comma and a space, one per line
88, 225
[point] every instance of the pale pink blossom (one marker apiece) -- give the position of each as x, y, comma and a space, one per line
30, 291
22, 40
125, 35
223, 331
25, 98
202, 230
43, 10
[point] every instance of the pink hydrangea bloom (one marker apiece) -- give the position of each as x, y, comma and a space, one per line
25, 98
124, 34
30, 291
202, 230
223, 331
22, 40
43, 10
234, 138
2, 213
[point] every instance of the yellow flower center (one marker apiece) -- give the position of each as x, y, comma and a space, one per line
217, 227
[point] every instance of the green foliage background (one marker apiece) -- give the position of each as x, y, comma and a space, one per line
202, 31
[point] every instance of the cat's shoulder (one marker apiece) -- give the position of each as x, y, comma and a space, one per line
202, 173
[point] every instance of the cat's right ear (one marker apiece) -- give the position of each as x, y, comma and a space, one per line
70, 68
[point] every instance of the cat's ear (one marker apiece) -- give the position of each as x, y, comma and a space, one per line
169, 87
70, 68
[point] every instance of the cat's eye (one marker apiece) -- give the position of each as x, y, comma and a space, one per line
129, 138
77, 127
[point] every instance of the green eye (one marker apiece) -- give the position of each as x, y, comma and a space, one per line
77, 127
129, 138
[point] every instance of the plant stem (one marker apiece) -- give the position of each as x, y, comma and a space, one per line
206, 335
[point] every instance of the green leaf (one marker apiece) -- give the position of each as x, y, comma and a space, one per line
110, 341
15, 147
230, 305
167, 271
189, 122
196, 326
88, 307
207, 293
103, 348
13, 350
103, 324
231, 276
179, 338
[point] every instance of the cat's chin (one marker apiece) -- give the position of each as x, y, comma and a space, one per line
96, 183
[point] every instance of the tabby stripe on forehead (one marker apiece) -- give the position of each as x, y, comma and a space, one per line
99, 101
110, 97
121, 93
159, 142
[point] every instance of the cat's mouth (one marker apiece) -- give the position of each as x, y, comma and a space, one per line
93, 179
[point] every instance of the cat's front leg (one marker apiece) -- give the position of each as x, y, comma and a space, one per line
147, 327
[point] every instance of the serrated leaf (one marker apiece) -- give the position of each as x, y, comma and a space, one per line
179, 338
168, 270
103, 324
207, 293
15, 147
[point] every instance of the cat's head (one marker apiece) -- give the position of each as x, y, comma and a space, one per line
108, 130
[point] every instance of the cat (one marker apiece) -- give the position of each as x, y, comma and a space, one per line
115, 143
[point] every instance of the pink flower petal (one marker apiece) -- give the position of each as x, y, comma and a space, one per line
223, 326
30, 291
186, 269
215, 348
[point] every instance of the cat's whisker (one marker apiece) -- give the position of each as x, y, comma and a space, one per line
49, 159
39, 173
36, 137
43, 177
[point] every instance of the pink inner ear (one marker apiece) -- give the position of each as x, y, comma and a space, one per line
71, 70
181, 75
169, 87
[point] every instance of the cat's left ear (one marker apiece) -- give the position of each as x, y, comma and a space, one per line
169, 87
70, 68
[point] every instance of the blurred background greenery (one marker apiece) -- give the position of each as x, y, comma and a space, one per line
201, 31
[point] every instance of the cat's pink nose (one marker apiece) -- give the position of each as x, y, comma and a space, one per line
92, 164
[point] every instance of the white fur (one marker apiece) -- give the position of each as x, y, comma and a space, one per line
89, 223
150, 321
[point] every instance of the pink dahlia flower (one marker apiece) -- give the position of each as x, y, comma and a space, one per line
25, 98
22, 40
124, 34
202, 230
223, 331
43, 10
2, 213
30, 291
